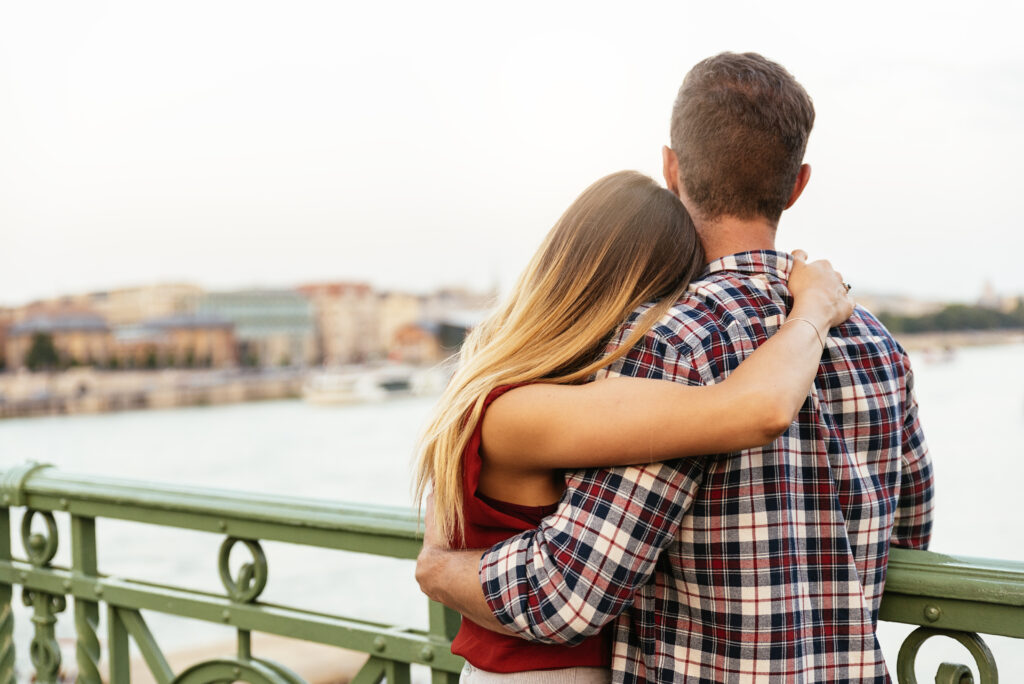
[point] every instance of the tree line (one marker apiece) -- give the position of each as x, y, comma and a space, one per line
43, 355
957, 317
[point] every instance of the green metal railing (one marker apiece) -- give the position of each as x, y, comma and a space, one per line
243, 519
949, 596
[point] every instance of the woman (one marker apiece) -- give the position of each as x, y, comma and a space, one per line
518, 410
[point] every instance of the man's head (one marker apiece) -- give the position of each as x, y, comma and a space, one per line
739, 130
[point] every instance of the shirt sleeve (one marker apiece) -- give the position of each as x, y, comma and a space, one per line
581, 567
912, 527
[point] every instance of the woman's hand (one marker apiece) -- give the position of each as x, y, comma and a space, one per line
819, 293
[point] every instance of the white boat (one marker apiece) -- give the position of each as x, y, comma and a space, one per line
359, 384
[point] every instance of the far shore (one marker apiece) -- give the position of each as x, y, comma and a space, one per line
937, 341
87, 390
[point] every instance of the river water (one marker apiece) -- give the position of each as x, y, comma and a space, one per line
972, 409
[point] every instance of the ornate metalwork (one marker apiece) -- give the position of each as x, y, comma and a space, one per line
378, 669
962, 595
949, 673
44, 650
6, 609
88, 650
252, 577
40, 548
231, 670
7, 645
87, 612
12, 482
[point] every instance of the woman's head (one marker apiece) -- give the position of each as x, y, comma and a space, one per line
623, 242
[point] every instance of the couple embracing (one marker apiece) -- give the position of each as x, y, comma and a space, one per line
593, 522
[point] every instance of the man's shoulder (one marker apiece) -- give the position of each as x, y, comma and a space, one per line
864, 324
719, 301
711, 304
868, 340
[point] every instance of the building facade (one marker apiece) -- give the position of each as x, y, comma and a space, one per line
347, 322
184, 341
271, 327
77, 337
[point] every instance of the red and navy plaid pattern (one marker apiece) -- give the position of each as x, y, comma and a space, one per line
762, 565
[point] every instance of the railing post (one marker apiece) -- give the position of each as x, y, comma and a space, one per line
117, 648
87, 613
444, 624
6, 594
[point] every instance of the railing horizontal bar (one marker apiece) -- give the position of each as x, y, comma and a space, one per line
390, 542
50, 489
953, 614
924, 573
391, 643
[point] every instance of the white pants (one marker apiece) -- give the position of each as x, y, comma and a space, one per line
567, 675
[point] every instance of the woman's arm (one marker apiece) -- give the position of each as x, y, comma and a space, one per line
620, 421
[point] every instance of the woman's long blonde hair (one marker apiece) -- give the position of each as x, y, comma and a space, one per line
623, 242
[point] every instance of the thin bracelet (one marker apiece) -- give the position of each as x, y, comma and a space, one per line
808, 322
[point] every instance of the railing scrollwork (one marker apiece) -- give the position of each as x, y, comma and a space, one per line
948, 673
252, 577
40, 548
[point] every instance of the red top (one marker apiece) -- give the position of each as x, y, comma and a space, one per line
488, 522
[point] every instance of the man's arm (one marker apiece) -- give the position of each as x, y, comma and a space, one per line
580, 569
540, 565
450, 577
912, 527
912, 523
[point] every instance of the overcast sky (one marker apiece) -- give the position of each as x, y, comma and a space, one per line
425, 143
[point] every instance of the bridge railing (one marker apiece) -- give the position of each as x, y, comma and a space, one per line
950, 596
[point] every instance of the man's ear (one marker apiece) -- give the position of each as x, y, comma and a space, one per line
670, 169
802, 176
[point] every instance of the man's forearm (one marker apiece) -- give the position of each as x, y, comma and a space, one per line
452, 578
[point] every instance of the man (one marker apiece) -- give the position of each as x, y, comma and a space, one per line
763, 565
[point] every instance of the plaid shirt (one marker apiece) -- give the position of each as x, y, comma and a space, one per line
762, 565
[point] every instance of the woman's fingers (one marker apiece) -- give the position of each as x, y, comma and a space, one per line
800, 255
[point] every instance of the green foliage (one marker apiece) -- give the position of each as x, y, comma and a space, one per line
151, 361
42, 355
957, 317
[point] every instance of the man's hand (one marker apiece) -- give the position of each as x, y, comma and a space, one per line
430, 555
452, 577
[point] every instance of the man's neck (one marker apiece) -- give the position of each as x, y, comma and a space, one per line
731, 235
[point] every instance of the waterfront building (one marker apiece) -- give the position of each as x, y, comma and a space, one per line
184, 340
6, 319
272, 327
347, 321
129, 305
78, 337
416, 343
122, 306
397, 311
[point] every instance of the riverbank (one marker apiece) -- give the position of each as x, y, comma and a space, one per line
87, 390
938, 341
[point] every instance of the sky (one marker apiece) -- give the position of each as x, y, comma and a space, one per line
413, 145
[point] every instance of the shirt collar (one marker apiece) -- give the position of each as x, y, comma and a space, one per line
767, 261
